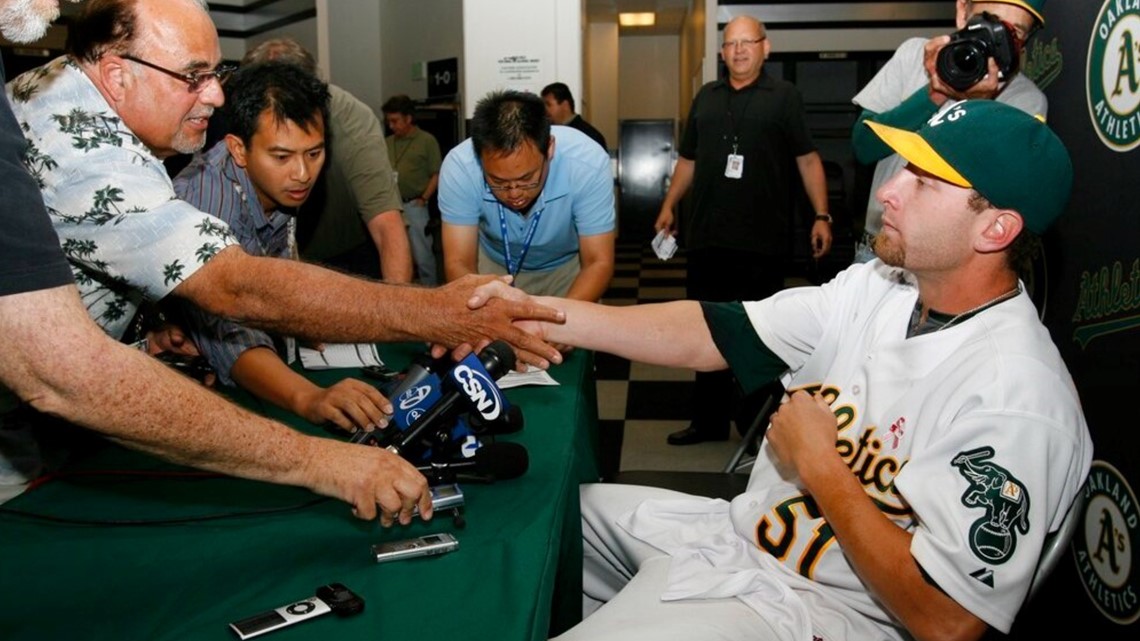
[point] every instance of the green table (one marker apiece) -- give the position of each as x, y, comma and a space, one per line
516, 575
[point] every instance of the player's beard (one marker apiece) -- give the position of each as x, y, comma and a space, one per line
27, 20
891, 253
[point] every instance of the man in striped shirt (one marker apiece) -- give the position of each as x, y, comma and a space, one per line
255, 179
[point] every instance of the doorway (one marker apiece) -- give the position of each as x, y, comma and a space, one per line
645, 164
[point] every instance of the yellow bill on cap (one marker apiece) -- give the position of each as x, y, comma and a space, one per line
915, 149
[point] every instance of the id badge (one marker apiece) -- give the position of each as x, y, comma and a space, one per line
734, 168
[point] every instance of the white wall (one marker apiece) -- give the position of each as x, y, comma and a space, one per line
349, 47
520, 44
647, 66
413, 32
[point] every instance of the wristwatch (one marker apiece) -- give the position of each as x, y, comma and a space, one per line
825, 217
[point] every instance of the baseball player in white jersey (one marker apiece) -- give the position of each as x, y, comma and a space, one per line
931, 438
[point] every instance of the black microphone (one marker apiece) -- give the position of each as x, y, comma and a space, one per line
492, 462
508, 422
471, 380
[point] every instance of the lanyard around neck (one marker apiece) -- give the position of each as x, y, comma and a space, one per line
514, 268
395, 147
733, 126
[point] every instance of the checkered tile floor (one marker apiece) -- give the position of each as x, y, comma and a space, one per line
638, 404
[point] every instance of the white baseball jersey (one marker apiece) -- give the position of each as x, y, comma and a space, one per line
972, 438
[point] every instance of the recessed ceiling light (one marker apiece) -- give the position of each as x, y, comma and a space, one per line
637, 19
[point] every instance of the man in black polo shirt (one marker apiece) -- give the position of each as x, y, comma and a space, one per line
560, 108
743, 137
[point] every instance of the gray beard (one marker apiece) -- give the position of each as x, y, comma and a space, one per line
187, 145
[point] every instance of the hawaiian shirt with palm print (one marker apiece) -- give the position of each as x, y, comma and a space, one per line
124, 231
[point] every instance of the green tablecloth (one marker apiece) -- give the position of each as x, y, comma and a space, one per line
519, 555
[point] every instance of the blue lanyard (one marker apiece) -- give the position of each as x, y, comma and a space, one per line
512, 268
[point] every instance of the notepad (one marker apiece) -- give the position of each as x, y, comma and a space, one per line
664, 245
339, 355
532, 376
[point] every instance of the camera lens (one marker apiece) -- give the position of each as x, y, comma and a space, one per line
962, 64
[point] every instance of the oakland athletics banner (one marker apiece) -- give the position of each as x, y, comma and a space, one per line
1087, 61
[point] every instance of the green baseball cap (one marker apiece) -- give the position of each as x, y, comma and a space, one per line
1011, 158
1035, 7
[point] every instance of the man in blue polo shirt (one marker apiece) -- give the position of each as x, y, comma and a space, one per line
523, 198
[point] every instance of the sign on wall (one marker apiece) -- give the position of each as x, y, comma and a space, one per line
1113, 77
1087, 61
498, 54
443, 78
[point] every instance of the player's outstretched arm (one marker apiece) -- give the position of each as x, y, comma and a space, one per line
671, 334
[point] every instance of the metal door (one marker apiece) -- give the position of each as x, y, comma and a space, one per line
645, 164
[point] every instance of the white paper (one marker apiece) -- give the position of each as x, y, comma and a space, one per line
338, 355
532, 376
664, 245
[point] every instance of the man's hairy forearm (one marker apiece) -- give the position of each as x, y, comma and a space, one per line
293, 298
307, 301
60, 362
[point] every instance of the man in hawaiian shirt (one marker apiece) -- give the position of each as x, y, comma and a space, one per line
139, 84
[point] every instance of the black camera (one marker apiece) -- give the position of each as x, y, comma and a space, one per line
196, 367
962, 63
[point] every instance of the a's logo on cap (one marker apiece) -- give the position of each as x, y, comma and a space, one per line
1113, 75
949, 113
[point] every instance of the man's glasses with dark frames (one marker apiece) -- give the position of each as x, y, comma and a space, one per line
195, 80
501, 188
514, 187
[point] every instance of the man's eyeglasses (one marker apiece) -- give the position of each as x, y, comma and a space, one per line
514, 187
195, 80
502, 188
741, 43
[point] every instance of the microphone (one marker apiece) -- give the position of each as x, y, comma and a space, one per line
421, 367
508, 422
472, 381
417, 390
492, 462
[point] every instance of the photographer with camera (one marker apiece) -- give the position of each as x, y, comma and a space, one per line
980, 60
